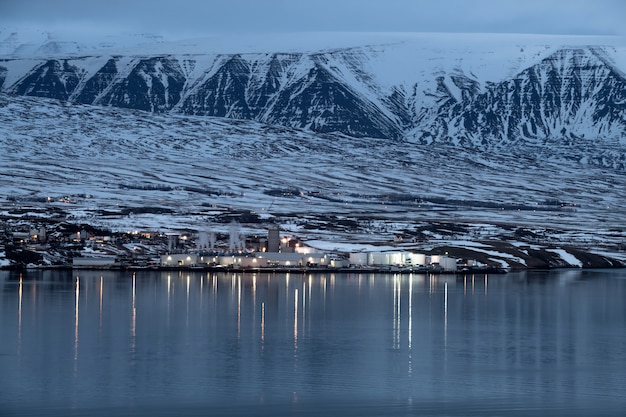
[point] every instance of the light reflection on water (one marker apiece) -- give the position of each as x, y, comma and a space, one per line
159, 343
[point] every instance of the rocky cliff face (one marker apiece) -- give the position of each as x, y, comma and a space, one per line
568, 94
573, 93
53, 79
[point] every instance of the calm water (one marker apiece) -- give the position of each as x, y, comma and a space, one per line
169, 344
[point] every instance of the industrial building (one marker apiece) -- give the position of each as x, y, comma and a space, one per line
400, 258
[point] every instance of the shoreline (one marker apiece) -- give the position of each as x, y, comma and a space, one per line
295, 270
300, 270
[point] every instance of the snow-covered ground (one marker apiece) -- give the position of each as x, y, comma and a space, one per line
567, 257
129, 170
3, 261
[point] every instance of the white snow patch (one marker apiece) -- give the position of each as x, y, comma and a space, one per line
502, 262
347, 247
502, 255
567, 257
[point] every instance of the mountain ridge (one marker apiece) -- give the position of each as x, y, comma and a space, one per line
397, 91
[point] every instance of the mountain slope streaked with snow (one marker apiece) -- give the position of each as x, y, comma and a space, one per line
477, 92
426, 140
126, 159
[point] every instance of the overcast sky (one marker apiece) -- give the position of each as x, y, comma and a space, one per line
185, 18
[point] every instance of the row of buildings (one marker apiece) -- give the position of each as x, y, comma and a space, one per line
285, 253
67, 246
306, 259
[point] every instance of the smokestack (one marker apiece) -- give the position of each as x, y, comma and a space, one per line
273, 239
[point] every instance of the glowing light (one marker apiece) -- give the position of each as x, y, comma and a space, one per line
262, 322
77, 291
295, 319
410, 323
239, 307
396, 312
133, 322
410, 310
303, 304
486, 279
101, 291
19, 317
445, 316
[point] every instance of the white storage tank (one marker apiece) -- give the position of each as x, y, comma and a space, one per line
378, 258
358, 258
338, 263
447, 263
396, 258
417, 258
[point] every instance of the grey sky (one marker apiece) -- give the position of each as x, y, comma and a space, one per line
182, 18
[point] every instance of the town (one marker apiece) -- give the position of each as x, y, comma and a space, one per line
63, 245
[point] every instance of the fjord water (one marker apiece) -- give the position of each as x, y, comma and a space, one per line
105, 343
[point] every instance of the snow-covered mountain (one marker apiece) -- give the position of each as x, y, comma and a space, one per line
125, 169
435, 140
476, 91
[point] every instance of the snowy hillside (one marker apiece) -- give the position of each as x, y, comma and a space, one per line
478, 91
125, 169
420, 141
